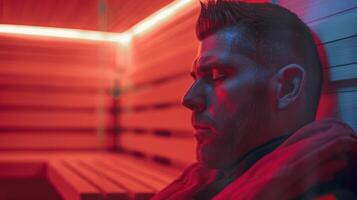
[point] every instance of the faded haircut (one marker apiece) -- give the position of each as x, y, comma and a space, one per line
279, 36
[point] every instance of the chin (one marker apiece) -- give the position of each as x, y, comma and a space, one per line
214, 164
208, 157
208, 163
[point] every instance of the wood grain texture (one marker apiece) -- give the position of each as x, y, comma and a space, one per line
71, 185
50, 141
134, 187
336, 27
105, 185
55, 93
55, 99
54, 82
311, 10
177, 149
157, 54
344, 72
167, 92
50, 119
139, 174
341, 105
342, 52
90, 175
175, 118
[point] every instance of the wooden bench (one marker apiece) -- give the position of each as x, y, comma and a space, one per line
90, 175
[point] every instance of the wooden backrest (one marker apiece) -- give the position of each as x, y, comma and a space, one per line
154, 123
54, 93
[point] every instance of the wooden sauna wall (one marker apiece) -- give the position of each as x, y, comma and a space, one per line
153, 122
335, 24
55, 94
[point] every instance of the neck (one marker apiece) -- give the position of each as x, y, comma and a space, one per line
251, 157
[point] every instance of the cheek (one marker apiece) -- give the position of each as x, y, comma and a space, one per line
222, 116
222, 102
228, 99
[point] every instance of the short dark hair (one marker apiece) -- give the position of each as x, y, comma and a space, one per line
274, 30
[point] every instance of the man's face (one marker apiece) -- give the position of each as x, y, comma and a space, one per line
227, 98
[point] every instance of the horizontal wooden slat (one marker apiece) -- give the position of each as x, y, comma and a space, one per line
49, 156
69, 184
90, 175
106, 186
28, 55
166, 92
177, 149
348, 85
27, 156
144, 51
48, 119
54, 81
310, 10
343, 72
46, 69
156, 170
336, 27
183, 49
175, 118
185, 20
50, 141
135, 172
347, 107
69, 46
22, 63
134, 187
178, 61
23, 98
58, 49
342, 52
22, 169
341, 105
49, 59
158, 44
74, 51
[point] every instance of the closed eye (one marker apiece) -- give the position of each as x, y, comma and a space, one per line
213, 74
218, 75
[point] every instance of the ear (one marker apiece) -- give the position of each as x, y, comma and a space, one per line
290, 79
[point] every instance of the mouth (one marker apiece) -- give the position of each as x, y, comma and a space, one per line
202, 132
201, 127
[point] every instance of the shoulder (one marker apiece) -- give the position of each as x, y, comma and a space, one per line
342, 187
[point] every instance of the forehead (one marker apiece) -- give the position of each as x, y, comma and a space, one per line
229, 46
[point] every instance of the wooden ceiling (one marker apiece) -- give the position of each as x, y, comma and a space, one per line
103, 15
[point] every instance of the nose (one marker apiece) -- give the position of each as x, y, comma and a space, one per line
194, 99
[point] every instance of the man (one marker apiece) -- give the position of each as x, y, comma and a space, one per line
257, 81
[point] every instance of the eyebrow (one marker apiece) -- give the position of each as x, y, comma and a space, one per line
209, 66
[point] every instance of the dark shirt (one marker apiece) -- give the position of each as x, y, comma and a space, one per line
242, 165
